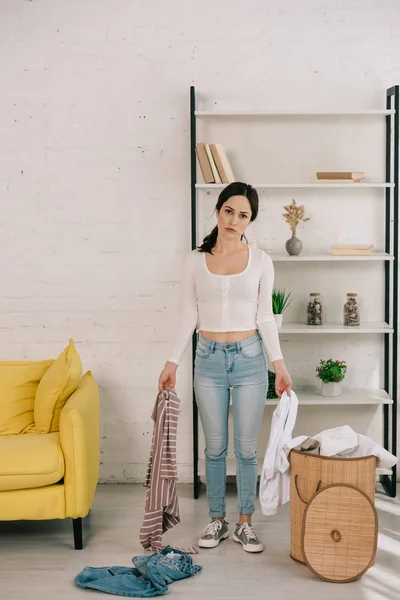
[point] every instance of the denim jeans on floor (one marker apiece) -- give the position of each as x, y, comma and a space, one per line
150, 577
242, 367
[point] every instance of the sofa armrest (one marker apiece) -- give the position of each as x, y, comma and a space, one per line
80, 442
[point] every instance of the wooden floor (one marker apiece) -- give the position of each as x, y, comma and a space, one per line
38, 562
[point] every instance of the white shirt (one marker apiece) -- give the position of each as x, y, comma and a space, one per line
275, 479
223, 303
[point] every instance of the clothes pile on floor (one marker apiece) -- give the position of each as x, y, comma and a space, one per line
150, 577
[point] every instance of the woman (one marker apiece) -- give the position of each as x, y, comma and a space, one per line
227, 292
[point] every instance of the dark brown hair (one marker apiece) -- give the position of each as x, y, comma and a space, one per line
237, 188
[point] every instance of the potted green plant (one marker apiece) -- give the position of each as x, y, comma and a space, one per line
280, 302
331, 373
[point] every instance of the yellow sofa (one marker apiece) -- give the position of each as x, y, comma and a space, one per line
49, 440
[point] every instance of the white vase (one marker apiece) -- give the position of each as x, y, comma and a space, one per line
332, 388
279, 319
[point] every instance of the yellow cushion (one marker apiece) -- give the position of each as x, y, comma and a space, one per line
30, 461
18, 385
54, 389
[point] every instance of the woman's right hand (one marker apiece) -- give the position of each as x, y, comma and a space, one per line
167, 377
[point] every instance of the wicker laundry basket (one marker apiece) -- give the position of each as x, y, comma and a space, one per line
333, 521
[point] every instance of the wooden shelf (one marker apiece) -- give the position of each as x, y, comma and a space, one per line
334, 328
293, 113
374, 256
353, 186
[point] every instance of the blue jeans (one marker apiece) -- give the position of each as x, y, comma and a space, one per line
242, 367
148, 579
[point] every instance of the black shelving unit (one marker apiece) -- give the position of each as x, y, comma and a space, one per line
391, 280
391, 297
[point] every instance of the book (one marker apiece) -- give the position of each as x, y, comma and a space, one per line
352, 246
223, 163
204, 163
214, 169
332, 181
339, 176
218, 163
352, 249
351, 252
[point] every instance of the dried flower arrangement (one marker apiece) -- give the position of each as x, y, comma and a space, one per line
294, 214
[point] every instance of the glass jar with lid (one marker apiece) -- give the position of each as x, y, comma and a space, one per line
351, 311
315, 313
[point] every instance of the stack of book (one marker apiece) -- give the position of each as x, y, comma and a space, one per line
340, 176
214, 163
352, 249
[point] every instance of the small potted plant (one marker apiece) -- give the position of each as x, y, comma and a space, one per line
331, 373
280, 301
294, 215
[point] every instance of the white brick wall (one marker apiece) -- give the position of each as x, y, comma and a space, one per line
94, 167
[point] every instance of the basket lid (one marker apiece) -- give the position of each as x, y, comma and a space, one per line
340, 530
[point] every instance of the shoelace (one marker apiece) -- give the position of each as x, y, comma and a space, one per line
212, 528
248, 531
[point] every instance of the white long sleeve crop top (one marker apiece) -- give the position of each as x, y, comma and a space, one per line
224, 303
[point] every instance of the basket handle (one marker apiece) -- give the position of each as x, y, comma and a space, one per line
297, 489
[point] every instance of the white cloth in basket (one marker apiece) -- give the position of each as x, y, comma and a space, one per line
344, 442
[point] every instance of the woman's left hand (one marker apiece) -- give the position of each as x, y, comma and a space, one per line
283, 382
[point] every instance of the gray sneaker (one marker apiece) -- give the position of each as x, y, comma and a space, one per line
245, 535
213, 534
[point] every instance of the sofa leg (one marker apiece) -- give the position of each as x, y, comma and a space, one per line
77, 525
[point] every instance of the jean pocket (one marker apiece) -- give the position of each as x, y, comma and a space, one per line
253, 350
202, 351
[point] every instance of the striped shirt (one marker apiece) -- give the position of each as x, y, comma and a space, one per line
162, 508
